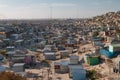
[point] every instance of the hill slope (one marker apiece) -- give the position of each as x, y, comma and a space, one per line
108, 19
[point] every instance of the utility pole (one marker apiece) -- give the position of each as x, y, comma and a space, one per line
51, 12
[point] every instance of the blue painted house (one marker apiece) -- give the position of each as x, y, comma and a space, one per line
112, 51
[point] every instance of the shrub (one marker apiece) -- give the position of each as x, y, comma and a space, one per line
91, 74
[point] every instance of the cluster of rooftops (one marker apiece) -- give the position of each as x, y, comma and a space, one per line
56, 41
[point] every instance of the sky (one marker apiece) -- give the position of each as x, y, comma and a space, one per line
42, 9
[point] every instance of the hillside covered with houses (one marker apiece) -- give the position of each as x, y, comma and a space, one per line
108, 19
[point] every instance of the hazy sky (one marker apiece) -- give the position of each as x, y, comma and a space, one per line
37, 9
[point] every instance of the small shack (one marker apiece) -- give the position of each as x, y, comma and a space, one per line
76, 72
91, 59
64, 66
74, 59
10, 48
18, 67
19, 43
18, 58
50, 55
64, 53
14, 36
30, 60
10, 54
61, 66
